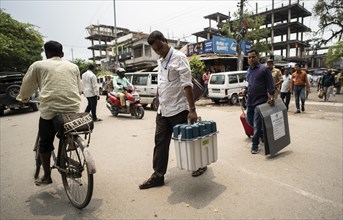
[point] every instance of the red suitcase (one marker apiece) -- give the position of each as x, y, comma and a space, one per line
249, 131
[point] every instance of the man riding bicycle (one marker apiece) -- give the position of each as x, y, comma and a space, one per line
60, 88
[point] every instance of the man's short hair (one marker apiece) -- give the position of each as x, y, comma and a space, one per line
156, 35
53, 47
91, 66
253, 51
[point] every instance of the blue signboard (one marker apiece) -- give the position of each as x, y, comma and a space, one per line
218, 45
208, 46
246, 46
197, 48
224, 45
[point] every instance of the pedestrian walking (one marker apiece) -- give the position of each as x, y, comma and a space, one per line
260, 90
176, 104
91, 91
328, 84
299, 83
285, 88
277, 77
206, 78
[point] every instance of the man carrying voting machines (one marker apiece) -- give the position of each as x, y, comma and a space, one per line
176, 105
261, 105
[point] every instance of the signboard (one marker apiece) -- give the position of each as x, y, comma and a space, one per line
246, 46
208, 46
224, 45
197, 48
217, 45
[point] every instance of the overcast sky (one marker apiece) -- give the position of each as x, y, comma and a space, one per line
65, 20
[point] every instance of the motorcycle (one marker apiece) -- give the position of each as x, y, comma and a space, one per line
132, 100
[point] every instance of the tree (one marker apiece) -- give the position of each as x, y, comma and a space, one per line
330, 14
335, 53
254, 34
82, 64
20, 44
197, 67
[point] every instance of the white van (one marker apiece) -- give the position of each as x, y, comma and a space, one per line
225, 86
146, 86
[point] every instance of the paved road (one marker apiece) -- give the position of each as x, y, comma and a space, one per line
303, 182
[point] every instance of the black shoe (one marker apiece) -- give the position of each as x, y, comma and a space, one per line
199, 172
255, 151
297, 111
42, 181
98, 119
153, 181
302, 108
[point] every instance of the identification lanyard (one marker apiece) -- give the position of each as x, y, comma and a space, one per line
165, 67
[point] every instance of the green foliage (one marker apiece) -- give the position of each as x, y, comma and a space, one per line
254, 34
335, 53
330, 13
197, 67
82, 64
20, 44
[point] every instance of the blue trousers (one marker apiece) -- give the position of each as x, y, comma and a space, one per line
299, 92
254, 120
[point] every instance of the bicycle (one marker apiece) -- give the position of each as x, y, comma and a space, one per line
74, 163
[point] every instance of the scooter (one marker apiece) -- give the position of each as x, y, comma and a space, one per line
132, 100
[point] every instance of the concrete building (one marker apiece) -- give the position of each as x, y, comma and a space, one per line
132, 49
287, 30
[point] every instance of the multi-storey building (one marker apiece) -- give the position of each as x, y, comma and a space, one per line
286, 36
131, 48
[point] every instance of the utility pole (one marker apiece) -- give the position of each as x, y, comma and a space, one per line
116, 65
240, 36
72, 54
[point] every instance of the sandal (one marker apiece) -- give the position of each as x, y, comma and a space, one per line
199, 172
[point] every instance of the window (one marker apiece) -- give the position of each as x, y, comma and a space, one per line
154, 79
233, 79
138, 52
140, 80
147, 50
242, 77
217, 79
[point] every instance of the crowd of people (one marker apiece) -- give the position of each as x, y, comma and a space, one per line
61, 86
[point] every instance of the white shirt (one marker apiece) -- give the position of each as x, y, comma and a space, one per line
174, 74
286, 83
90, 85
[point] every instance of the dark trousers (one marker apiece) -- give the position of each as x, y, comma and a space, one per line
163, 133
287, 96
91, 107
206, 90
47, 132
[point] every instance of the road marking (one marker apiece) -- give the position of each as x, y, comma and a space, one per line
295, 189
334, 104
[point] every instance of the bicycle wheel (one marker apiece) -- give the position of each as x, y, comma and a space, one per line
77, 181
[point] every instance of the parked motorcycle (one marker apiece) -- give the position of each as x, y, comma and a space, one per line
133, 105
